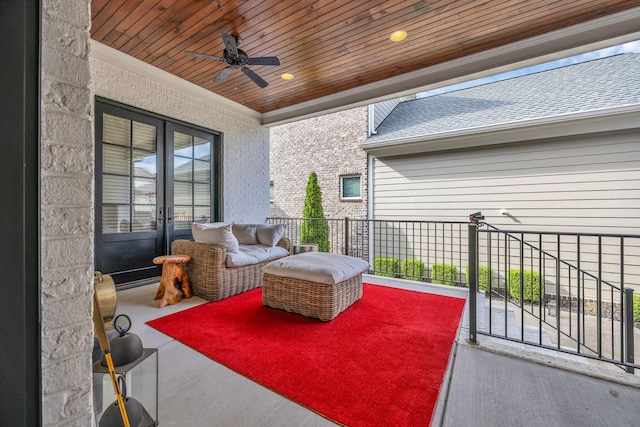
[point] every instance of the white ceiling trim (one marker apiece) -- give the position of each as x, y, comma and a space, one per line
115, 57
595, 34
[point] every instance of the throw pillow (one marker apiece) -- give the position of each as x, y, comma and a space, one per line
212, 224
215, 235
270, 234
245, 233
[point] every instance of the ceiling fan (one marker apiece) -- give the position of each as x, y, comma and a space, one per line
237, 59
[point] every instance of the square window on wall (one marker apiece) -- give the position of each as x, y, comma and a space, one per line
350, 187
271, 195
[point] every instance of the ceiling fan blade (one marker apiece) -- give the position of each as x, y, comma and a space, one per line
256, 78
265, 60
202, 55
230, 44
222, 75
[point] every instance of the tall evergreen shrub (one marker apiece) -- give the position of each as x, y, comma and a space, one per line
314, 228
385, 266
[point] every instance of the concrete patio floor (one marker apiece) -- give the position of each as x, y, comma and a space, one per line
491, 383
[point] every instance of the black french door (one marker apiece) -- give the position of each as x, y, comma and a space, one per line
154, 177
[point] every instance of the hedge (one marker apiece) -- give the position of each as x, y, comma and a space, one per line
412, 269
444, 274
385, 266
484, 274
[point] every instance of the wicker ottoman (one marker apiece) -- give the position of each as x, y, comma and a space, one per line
313, 284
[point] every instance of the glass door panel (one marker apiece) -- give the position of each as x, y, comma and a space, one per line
127, 161
192, 170
201, 195
116, 130
144, 137
182, 168
153, 180
131, 197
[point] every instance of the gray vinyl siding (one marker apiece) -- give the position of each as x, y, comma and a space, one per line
382, 109
582, 185
566, 185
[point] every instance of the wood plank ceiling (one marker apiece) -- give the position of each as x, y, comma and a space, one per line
329, 46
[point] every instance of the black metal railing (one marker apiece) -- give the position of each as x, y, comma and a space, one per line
568, 292
564, 291
424, 251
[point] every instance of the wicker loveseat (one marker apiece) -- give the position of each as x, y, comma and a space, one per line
210, 275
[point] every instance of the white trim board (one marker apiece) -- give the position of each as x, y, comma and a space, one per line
581, 123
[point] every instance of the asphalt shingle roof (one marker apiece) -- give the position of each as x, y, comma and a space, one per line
602, 83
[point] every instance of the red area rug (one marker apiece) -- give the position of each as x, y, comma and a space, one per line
380, 362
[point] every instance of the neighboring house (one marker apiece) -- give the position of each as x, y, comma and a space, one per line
558, 149
330, 146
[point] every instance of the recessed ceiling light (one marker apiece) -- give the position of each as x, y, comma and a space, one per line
398, 36
287, 76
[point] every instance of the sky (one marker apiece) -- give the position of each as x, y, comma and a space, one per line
589, 56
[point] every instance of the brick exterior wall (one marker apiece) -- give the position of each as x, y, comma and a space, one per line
67, 165
327, 145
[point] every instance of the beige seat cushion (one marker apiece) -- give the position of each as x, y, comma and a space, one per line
317, 267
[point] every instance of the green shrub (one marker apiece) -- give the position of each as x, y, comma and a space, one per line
412, 269
484, 274
444, 274
314, 228
384, 266
532, 282
636, 308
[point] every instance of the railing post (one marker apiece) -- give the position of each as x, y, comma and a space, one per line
473, 273
346, 236
628, 328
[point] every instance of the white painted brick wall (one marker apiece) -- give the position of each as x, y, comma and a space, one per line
245, 141
67, 208
67, 155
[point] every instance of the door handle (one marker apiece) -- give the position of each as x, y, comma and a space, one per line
160, 215
169, 213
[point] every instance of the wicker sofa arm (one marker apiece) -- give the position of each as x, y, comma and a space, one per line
285, 243
206, 266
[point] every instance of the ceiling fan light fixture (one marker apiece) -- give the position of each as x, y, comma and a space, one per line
237, 59
398, 36
287, 76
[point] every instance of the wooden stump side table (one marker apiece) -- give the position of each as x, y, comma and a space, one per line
174, 283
